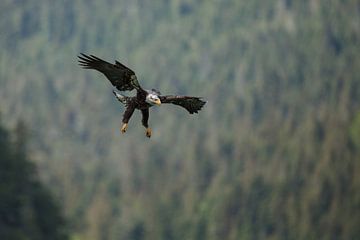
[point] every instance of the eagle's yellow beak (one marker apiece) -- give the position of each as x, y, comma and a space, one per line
158, 102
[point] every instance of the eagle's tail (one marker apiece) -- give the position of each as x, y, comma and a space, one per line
123, 99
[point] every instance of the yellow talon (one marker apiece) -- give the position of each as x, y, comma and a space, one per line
148, 132
124, 128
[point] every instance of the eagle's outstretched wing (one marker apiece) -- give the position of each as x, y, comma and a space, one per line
191, 104
122, 77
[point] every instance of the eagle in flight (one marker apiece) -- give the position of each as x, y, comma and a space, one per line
124, 79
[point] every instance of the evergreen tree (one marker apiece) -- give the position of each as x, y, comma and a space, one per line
27, 209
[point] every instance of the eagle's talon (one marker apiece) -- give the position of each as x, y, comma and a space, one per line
124, 128
148, 132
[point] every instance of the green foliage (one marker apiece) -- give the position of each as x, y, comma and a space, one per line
355, 131
27, 210
274, 154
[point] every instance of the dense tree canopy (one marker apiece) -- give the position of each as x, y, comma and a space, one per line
274, 154
27, 209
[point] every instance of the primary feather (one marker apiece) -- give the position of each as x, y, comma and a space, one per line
191, 104
120, 76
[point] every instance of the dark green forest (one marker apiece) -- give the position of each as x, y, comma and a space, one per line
27, 209
274, 154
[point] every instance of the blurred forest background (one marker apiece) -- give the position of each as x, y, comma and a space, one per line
275, 153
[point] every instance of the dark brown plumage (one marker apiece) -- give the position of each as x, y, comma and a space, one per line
191, 104
124, 79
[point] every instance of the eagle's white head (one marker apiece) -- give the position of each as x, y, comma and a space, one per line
153, 99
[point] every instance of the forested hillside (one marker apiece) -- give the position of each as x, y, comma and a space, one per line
273, 155
27, 209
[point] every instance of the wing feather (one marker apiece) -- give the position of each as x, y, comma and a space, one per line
191, 104
120, 76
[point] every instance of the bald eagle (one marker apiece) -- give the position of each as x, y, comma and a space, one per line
124, 79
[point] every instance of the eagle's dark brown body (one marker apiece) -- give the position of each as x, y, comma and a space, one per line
124, 79
139, 103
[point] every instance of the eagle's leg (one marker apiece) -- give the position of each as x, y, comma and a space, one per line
145, 118
148, 132
127, 115
124, 127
